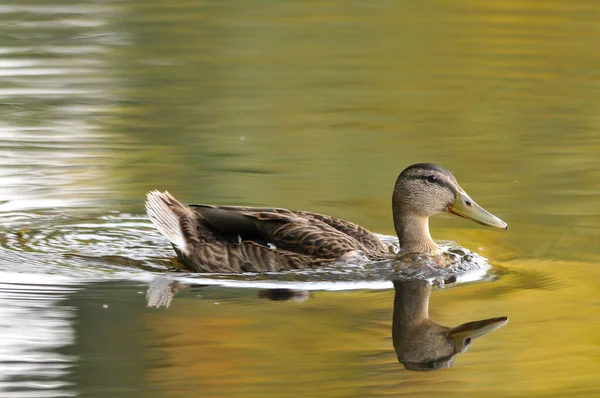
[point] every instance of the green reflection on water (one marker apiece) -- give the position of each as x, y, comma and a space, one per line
319, 106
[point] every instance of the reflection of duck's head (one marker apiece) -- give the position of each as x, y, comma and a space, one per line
423, 190
422, 344
431, 346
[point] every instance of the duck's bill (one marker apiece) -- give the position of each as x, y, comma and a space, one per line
466, 207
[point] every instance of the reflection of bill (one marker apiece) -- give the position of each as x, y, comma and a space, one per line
422, 344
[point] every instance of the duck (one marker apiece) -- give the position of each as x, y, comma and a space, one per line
235, 239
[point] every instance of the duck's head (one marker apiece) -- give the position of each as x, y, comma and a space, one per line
425, 189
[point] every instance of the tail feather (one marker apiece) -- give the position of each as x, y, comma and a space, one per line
167, 214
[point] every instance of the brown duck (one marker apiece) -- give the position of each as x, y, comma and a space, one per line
249, 239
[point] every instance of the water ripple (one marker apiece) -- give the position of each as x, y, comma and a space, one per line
126, 246
31, 361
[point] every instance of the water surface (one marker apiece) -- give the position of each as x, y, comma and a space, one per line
306, 105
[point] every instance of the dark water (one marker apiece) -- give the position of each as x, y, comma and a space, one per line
306, 105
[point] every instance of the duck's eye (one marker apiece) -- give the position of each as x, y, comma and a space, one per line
467, 341
432, 179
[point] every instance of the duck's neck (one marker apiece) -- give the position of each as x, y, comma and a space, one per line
413, 233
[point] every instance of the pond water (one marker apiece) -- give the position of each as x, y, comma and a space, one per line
305, 105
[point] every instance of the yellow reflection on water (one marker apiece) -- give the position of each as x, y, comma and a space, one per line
339, 344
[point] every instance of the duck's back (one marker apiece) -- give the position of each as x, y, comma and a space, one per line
236, 238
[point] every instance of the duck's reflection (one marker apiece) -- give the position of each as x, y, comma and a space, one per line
161, 291
421, 343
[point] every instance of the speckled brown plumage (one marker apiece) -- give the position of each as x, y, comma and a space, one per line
247, 239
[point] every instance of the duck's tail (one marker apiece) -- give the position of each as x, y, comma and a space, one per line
174, 220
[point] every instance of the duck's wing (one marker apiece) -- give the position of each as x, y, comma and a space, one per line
233, 239
277, 228
367, 239
245, 256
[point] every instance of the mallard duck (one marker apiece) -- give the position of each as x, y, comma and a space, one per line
250, 239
